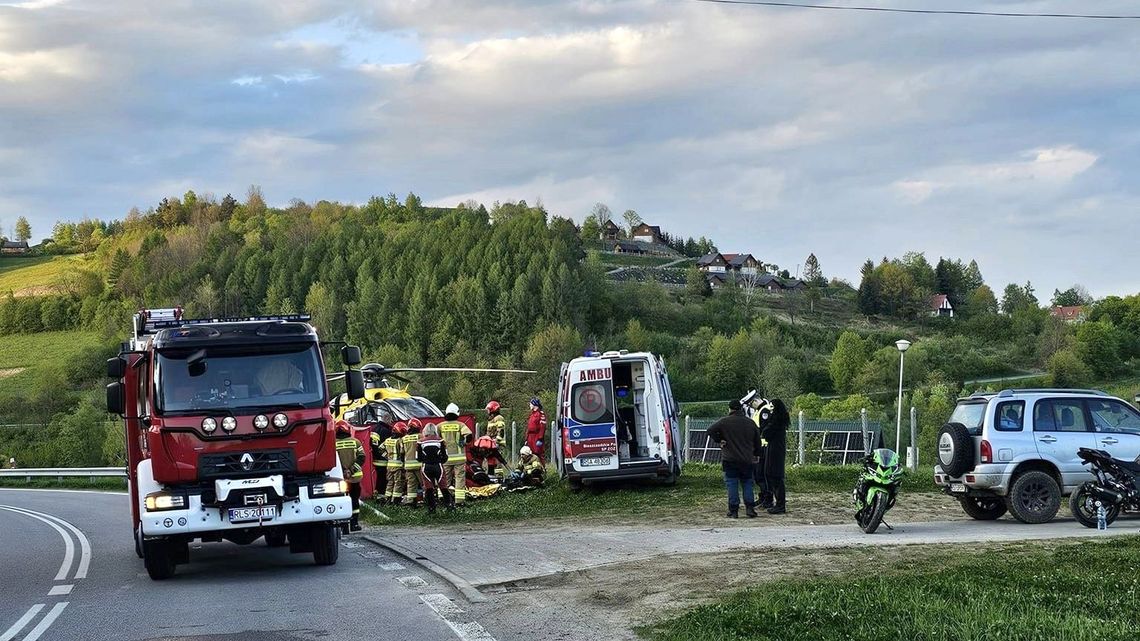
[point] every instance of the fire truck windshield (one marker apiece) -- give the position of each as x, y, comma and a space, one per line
192, 379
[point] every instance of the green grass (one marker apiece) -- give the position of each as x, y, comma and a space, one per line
34, 275
698, 484
635, 260
35, 352
1085, 592
107, 484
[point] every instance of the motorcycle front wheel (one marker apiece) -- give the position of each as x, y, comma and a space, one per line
1083, 505
873, 513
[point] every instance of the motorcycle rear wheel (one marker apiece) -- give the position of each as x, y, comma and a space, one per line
1083, 505
873, 513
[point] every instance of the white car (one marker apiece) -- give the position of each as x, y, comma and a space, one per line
1016, 450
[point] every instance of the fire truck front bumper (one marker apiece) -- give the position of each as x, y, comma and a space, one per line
201, 517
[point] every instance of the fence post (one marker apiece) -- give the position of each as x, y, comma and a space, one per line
866, 438
912, 451
511, 444
686, 437
800, 446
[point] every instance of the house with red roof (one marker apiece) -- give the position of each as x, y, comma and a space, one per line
940, 306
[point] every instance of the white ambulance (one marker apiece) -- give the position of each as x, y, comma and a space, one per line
616, 419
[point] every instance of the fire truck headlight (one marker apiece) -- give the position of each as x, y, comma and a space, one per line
229, 424
260, 421
280, 421
158, 501
330, 488
209, 425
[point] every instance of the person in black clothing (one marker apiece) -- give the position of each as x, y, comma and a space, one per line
774, 429
740, 447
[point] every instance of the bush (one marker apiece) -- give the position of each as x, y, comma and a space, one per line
1066, 369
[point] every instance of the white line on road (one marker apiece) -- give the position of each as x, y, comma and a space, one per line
23, 621
68, 545
411, 581
60, 590
84, 543
447, 609
392, 567
46, 622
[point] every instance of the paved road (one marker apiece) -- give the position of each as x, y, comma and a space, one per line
558, 550
69, 572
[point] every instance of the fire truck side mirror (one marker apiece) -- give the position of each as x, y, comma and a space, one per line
115, 401
354, 382
116, 367
350, 354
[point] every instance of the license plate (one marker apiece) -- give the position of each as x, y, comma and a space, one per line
958, 488
243, 514
595, 461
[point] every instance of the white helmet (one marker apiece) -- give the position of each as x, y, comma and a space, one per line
451, 408
525, 451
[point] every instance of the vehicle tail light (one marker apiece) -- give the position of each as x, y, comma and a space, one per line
566, 443
668, 435
970, 478
987, 452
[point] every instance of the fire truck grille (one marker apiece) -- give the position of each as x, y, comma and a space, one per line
247, 463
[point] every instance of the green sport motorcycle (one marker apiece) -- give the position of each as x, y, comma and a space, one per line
876, 489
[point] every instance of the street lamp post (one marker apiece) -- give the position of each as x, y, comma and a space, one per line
903, 345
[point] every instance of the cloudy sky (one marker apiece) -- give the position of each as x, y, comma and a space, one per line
771, 130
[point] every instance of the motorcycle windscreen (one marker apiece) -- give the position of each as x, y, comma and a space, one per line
590, 431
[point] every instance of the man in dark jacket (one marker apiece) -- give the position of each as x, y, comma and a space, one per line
774, 425
740, 447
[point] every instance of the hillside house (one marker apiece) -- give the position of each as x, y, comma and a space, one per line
1069, 314
623, 247
743, 264
940, 306
647, 233
713, 263
610, 231
14, 247
716, 279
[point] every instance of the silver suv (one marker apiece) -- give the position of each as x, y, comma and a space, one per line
1017, 450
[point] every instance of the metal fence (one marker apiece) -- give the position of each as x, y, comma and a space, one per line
809, 441
29, 473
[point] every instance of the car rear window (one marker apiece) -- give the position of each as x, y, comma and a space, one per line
592, 403
970, 414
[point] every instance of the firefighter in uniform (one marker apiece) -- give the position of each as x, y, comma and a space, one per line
496, 429
411, 465
431, 452
376, 438
455, 436
351, 455
394, 449
529, 472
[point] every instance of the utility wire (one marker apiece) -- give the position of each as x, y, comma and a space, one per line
952, 12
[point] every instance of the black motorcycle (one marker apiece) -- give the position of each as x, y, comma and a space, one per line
1116, 488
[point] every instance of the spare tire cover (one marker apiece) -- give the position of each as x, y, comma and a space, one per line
955, 449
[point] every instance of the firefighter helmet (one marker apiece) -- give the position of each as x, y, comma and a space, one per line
525, 451
493, 406
452, 410
400, 428
415, 425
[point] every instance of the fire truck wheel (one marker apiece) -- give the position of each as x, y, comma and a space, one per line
138, 543
275, 538
158, 557
326, 544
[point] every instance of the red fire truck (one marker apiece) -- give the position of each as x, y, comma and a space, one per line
229, 435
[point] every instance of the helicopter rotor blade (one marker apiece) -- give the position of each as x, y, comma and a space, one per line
334, 377
460, 369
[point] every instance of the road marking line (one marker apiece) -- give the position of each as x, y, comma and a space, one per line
84, 543
411, 581
46, 622
60, 590
442, 605
24, 620
392, 567
68, 549
466, 631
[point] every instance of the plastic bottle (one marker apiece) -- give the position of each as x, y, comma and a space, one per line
1101, 517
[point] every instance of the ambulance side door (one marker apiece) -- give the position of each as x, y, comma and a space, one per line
561, 410
671, 412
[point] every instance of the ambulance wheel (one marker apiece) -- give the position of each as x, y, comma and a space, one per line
159, 558
575, 485
326, 544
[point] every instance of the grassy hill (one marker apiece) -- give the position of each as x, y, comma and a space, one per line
633, 260
25, 357
36, 275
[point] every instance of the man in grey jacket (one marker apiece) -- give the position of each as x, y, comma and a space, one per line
740, 448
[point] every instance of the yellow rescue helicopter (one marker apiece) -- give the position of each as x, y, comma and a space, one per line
386, 403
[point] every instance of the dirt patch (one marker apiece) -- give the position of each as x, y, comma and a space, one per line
610, 601
38, 290
11, 371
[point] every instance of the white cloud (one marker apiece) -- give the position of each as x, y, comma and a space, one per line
27, 65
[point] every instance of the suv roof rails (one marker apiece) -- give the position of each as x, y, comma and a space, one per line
1050, 390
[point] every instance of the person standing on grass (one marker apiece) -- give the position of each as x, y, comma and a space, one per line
774, 430
740, 448
536, 430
